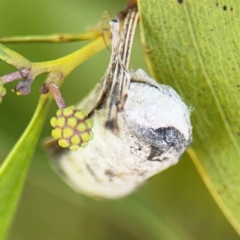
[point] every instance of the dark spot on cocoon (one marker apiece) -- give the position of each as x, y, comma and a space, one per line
162, 140
180, 1
231, 9
217, 4
109, 172
225, 8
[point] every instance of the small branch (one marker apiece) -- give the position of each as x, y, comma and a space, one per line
54, 90
53, 38
22, 73
91, 34
58, 69
11, 77
66, 64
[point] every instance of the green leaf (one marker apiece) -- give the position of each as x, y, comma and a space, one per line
194, 47
14, 169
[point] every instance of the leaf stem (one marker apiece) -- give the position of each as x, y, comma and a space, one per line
66, 64
53, 38
58, 68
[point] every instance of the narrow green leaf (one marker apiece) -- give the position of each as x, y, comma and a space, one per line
194, 47
14, 169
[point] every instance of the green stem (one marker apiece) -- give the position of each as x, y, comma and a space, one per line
52, 38
59, 68
66, 64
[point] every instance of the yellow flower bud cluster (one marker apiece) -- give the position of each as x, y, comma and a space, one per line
72, 128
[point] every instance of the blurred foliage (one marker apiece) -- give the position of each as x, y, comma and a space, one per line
175, 203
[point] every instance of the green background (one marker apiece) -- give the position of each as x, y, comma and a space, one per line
174, 201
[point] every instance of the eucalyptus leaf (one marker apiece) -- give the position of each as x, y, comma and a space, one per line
14, 169
194, 47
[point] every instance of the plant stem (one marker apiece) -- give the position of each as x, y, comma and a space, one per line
52, 38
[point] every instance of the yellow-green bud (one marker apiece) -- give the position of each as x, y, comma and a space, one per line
67, 112
57, 133
74, 147
83, 145
73, 108
53, 122
59, 112
72, 122
81, 127
75, 140
63, 143
61, 122
85, 137
89, 123
79, 115
67, 132
90, 135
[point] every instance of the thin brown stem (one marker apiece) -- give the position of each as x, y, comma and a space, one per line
54, 90
22, 73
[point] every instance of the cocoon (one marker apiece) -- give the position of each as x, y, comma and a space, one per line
155, 130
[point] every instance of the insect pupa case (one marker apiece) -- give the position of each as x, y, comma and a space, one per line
155, 130
150, 134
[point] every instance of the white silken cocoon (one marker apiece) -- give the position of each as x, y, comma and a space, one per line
155, 130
